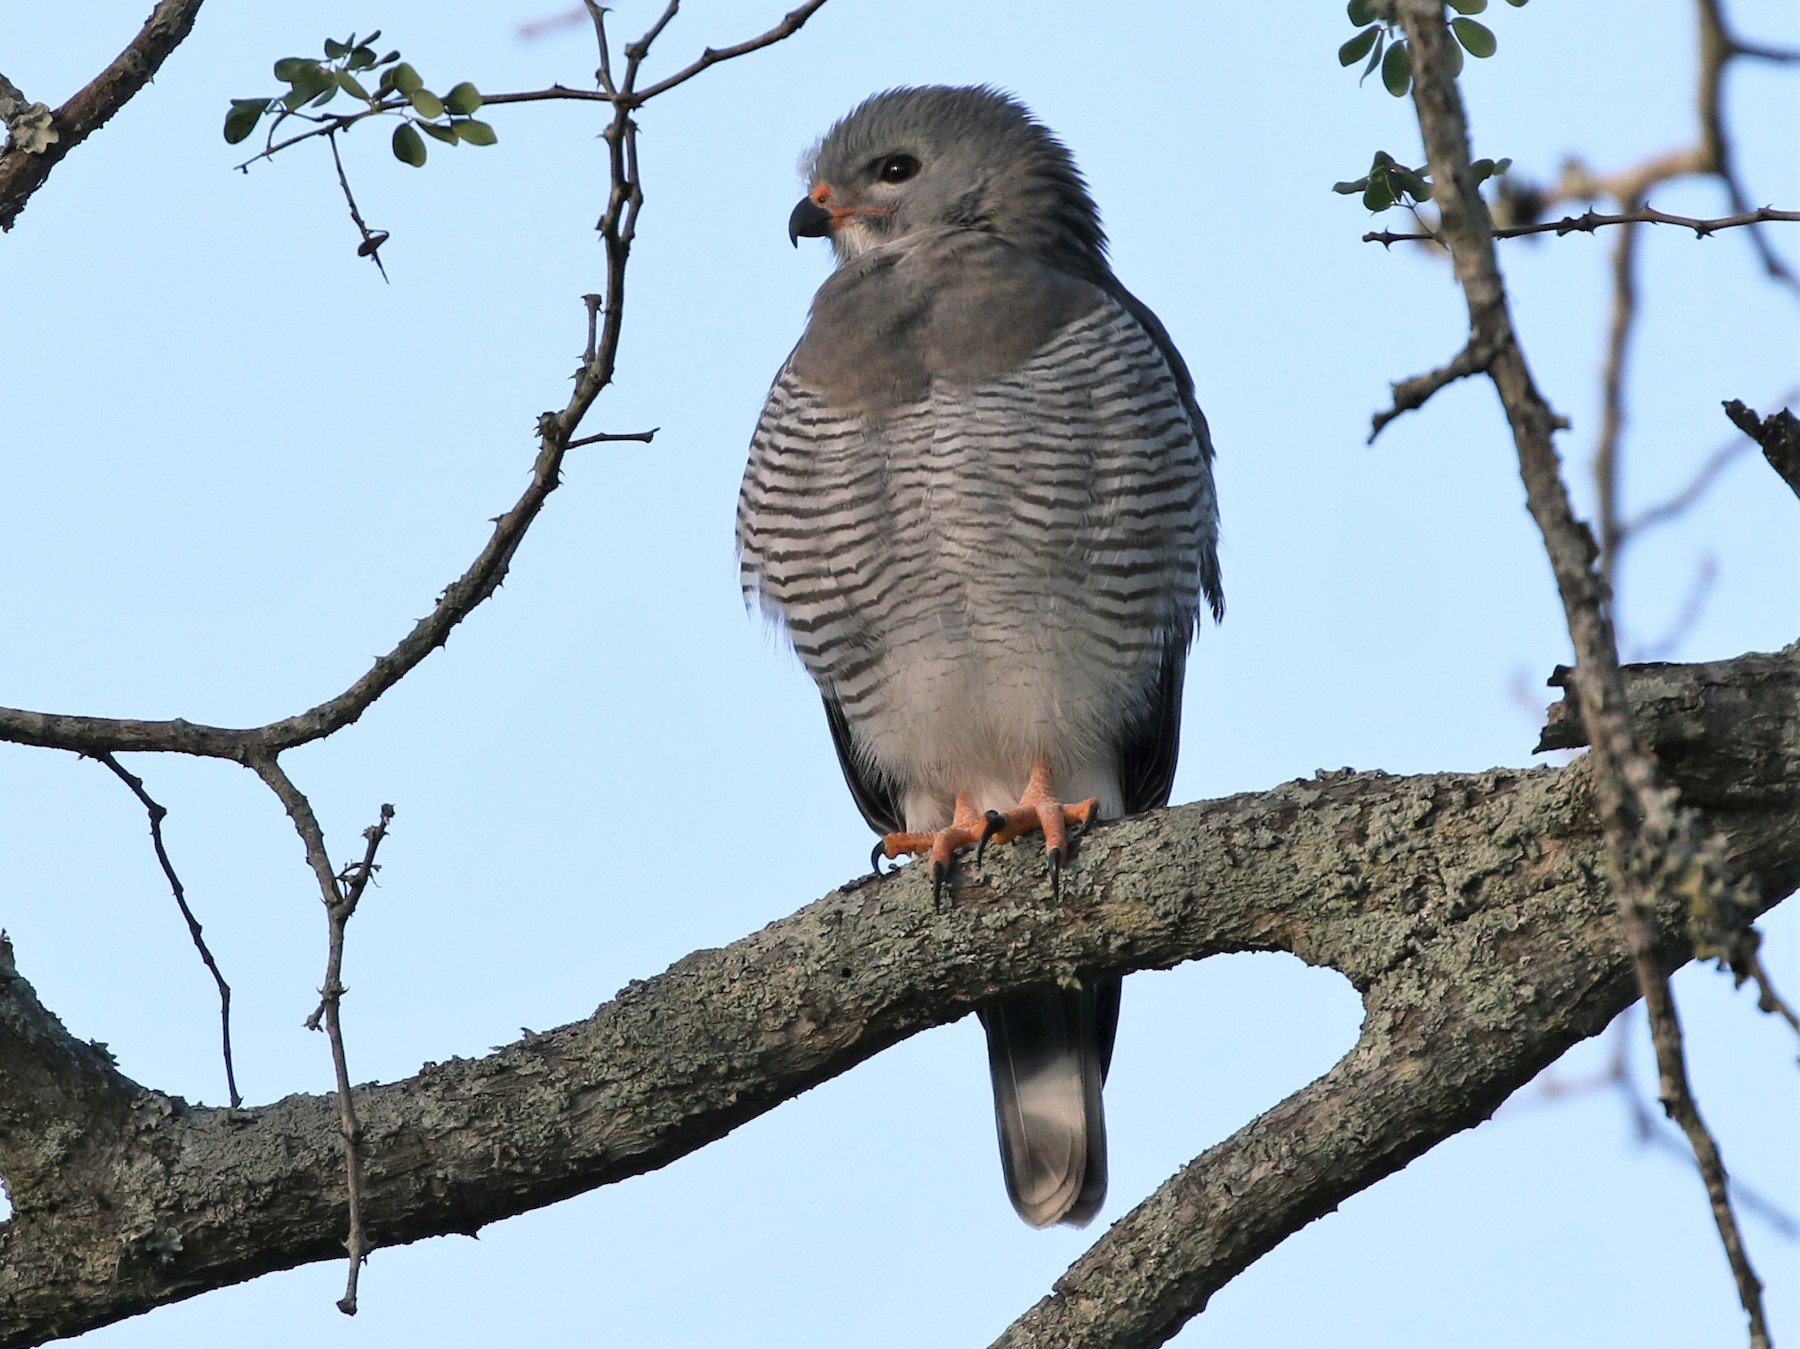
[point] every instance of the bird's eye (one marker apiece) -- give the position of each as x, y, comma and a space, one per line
897, 168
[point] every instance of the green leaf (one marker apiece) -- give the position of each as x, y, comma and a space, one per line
1378, 196
408, 148
1489, 168
1476, 39
1456, 61
362, 58
388, 59
335, 50
1396, 70
463, 99
290, 69
407, 80
294, 98
329, 93
1468, 6
474, 132
314, 79
1352, 51
1516, 4
1409, 182
1361, 12
372, 38
349, 84
1374, 59
242, 119
442, 133
1351, 189
426, 103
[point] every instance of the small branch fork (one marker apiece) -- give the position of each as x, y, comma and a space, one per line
1654, 847
1589, 221
157, 814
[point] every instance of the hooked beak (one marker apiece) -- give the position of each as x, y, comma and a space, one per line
809, 219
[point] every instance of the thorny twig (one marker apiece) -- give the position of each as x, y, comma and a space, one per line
1653, 845
157, 812
1589, 221
1411, 394
341, 891
372, 240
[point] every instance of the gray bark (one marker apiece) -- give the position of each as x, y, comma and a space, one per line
1469, 910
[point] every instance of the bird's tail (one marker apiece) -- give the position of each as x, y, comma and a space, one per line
1048, 1054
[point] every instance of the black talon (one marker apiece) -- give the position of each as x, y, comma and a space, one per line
876, 857
995, 823
940, 872
1056, 862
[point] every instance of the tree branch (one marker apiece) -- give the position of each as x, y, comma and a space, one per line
1467, 909
23, 170
1654, 847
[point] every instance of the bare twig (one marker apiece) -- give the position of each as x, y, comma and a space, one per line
23, 172
609, 437
1680, 502
1414, 393
789, 25
372, 240
341, 891
1612, 401
1745, 959
1589, 221
532, 29
1652, 845
157, 812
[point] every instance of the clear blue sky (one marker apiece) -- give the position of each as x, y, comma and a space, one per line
238, 466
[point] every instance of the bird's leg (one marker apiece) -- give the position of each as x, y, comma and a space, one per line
965, 828
1038, 809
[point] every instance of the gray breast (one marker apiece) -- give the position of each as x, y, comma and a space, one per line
991, 571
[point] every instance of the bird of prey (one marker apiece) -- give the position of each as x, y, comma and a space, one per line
980, 502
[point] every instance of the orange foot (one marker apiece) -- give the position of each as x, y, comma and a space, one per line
1038, 810
965, 828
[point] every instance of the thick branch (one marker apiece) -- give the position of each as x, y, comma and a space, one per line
22, 172
1467, 909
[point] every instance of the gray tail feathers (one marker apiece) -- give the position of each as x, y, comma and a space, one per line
1048, 1054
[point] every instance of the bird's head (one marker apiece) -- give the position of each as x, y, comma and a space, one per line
936, 158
